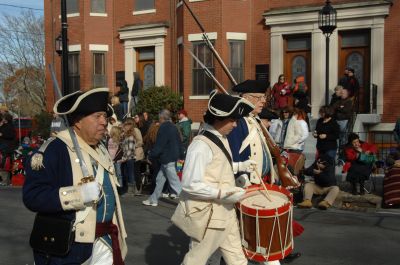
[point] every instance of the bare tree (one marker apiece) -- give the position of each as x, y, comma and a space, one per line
22, 62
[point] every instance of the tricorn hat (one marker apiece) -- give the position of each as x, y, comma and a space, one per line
251, 86
223, 106
83, 103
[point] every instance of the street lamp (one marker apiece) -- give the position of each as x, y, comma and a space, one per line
58, 45
327, 23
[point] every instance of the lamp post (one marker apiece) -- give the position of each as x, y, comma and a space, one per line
327, 23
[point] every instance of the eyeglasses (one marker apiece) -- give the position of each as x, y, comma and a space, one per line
259, 98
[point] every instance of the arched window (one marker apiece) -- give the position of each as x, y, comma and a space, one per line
148, 70
299, 67
356, 61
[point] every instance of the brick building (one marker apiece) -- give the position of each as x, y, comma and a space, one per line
256, 39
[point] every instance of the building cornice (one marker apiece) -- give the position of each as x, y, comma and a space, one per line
307, 14
143, 31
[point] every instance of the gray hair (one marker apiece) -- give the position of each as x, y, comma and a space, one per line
165, 115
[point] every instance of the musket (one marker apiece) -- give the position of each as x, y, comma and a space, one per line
86, 176
210, 45
288, 180
207, 71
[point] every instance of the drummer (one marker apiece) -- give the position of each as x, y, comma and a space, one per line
208, 176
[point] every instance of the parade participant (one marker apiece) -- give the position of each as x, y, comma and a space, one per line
208, 177
56, 188
247, 140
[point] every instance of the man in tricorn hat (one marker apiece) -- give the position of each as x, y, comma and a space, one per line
208, 177
247, 139
57, 187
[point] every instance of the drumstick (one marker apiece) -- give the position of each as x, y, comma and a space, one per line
266, 194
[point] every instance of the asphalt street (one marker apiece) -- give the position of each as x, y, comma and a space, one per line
330, 237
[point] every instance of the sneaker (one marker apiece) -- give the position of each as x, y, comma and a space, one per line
174, 196
323, 205
165, 195
149, 203
305, 204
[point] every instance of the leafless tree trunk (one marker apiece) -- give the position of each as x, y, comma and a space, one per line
22, 63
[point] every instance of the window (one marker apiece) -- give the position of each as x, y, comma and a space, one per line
73, 72
99, 69
72, 7
236, 64
144, 5
295, 43
202, 84
98, 6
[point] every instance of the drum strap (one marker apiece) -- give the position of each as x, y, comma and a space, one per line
218, 143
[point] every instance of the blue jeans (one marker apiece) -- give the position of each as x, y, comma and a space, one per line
343, 135
124, 105
118, 173
167, 171
130, 171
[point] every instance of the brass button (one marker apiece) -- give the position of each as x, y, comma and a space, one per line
52, 239
66, 203
81, 233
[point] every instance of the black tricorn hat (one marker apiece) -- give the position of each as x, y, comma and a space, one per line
223, 106
267, 114
83, 103
251, 86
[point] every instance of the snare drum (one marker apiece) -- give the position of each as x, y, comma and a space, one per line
266, 226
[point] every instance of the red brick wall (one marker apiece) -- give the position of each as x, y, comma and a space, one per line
391, 110
219, 16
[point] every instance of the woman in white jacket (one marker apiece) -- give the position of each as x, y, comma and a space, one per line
297, 131
279, 126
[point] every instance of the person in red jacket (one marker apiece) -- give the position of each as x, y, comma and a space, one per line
361, 156
281, 92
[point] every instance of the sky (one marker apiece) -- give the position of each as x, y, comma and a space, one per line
14, 7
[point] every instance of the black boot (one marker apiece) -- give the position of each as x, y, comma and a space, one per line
292, 256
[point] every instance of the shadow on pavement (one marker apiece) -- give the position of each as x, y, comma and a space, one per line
167, 249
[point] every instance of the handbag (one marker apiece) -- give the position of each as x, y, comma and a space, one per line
193, 217
367, 158
52, 235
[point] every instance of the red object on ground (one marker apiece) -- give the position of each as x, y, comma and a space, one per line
18, 180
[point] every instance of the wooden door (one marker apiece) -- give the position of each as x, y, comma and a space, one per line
298, 63
358, 59
146, 69
354, 51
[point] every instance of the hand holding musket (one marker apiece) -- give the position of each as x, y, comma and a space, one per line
287, 179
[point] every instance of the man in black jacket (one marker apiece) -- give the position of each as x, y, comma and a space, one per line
167, 150
323, 171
